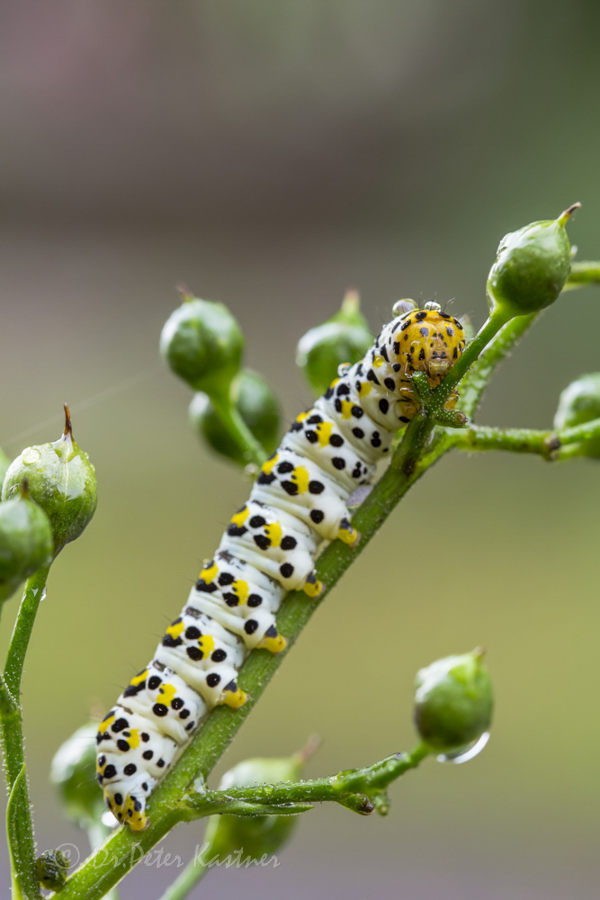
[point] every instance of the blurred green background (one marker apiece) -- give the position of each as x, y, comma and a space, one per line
271, 155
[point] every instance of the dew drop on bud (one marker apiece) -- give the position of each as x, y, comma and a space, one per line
464, 754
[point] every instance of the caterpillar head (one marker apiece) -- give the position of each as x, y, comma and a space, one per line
428, 340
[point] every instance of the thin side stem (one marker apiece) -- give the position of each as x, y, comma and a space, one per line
548, 444
354, 787
192, 875
11, 737
470, 355
15, 660
228, 413
583, 273
515, 440
478, 377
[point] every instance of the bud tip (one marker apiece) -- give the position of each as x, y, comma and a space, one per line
68, 432
566, 215
309, 749
186, 294
351, 301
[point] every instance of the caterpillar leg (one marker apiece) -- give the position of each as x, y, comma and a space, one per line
312, 587
234, 698
272, 641
348, 534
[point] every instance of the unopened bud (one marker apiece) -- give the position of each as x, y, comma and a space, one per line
344, 338
531, 267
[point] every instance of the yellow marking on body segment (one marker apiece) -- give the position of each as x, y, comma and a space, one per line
324, 430
241, 589
108, 719
175, 630
134, 738
267, 467
347, 408
301, 417
365, 388
206, 643
378, 361
240, 516
209, 573
137, 679
274, 531
301, 478
167, 693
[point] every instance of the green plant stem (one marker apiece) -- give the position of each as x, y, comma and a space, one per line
477, 379
251, 449
548, 444
15, 800
515, 440
15, 660
470, 355
354, 789
97, 834
583, 273
192, 875
11, 737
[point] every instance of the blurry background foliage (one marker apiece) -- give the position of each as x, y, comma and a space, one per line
271, 155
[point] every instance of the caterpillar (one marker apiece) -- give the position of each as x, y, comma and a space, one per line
298, 500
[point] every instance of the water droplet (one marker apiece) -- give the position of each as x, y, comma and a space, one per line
464, 754
401, 307
109, 820
30, 456
432, 306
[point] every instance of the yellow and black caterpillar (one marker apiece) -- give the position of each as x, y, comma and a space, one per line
299, 499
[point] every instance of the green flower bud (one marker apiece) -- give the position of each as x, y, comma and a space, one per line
61, 480
344, 338
52, 869
258, 407
25, 541
4, 464
73, 772
453, 701
203, 344
580, 403
531, 268
253, 836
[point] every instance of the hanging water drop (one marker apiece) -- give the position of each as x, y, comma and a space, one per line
464, 754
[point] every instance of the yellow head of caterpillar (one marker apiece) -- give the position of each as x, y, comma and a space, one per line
428, 340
